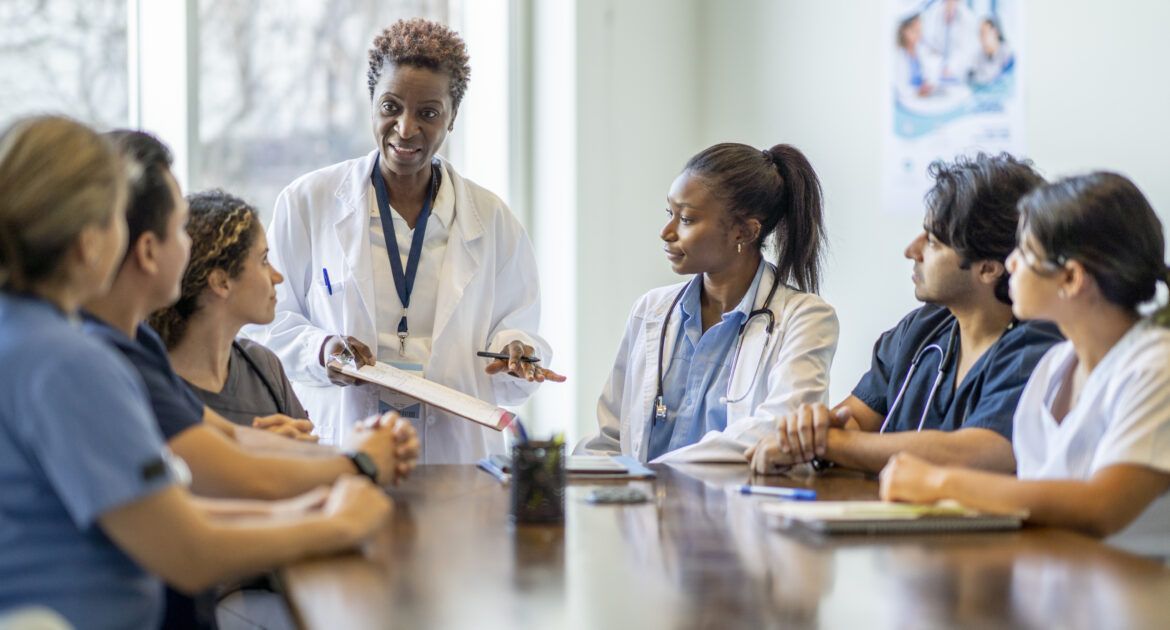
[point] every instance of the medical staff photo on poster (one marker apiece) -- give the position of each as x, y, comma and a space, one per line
954, 87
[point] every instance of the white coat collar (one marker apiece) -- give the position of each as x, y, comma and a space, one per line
443, 209
354, 191
464, 244
656, 316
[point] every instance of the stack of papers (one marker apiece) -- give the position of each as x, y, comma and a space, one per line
877, 517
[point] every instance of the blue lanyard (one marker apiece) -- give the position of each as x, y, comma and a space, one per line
403, 281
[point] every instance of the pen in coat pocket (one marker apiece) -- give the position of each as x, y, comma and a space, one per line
344, 341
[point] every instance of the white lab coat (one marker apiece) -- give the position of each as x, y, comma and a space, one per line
489, 296
795, 371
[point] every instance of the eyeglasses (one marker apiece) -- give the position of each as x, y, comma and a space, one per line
1042, 267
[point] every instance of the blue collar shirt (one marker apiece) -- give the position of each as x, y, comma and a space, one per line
699, 369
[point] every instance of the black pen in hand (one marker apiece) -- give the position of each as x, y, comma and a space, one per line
505, 357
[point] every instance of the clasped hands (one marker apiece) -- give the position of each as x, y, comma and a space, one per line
799, 438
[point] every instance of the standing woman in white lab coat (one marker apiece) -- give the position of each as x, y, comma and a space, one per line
706, 366
409, 263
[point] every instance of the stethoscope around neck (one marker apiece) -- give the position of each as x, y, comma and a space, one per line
763, 311
923, 349
945, 356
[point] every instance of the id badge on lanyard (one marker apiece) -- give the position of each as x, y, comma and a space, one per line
403, 278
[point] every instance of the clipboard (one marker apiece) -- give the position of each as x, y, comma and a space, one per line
430, 393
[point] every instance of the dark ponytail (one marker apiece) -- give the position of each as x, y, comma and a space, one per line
779, 188
1103, 221
1162, 315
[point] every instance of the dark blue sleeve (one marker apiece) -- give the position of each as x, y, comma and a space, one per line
873, 388
1014, 359
176, 407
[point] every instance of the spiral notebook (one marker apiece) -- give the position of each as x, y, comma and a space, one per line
879, 517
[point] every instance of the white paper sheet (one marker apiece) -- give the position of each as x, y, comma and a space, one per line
431, 393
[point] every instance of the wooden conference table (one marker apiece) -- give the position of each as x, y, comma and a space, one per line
700, 555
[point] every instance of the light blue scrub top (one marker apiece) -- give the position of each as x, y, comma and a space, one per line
77, 439
698, 372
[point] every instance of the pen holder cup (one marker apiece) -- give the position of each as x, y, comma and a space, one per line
538, 482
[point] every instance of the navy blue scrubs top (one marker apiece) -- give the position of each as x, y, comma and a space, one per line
176, 408
989, 392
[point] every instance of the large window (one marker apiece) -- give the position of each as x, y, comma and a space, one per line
282, 88
64, 56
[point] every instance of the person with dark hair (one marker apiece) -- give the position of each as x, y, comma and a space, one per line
228, 284
944, 381
915, 66
1093, 424
743, 340
94, 510
221, 466
995, 58
148, 280
395, 257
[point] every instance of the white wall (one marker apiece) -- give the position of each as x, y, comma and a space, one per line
809, 73
657, 80
637, 118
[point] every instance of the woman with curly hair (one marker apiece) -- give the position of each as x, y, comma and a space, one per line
228, 284
395, 257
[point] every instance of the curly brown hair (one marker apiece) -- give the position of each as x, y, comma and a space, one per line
424, 44
223, 228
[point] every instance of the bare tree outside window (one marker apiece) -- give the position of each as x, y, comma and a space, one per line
64, 57
282, 88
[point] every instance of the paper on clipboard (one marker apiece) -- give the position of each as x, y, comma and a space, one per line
429, 392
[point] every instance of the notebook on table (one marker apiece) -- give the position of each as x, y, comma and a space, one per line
879, 517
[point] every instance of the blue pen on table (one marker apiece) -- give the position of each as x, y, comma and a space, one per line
490, 468
344, 342
795, 494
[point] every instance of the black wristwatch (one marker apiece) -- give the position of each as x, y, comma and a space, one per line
821, 465
364, 464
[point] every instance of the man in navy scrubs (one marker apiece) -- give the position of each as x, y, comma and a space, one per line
945, 381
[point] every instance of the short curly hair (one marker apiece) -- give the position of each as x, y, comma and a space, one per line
424, 44
223, 228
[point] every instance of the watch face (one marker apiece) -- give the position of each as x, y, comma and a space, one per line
365, 465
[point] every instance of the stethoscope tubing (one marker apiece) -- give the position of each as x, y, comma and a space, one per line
944, 359
763, 311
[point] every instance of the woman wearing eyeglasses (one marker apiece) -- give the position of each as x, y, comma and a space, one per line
706, 365
1092, 428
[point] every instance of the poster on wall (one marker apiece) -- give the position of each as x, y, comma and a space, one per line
954, 88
